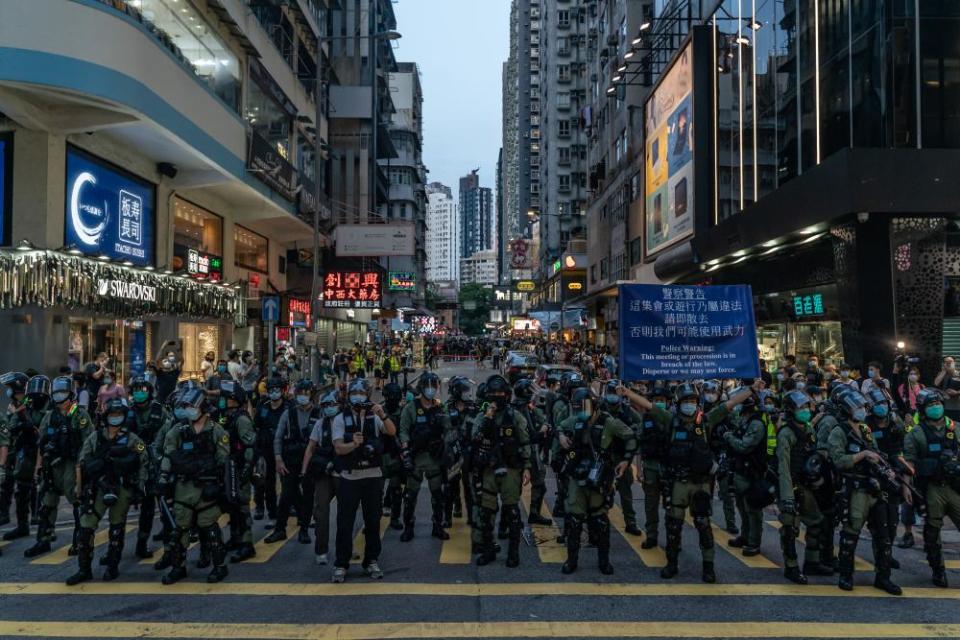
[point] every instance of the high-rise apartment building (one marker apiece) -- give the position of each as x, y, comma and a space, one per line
443, 235
479, 268
476, 216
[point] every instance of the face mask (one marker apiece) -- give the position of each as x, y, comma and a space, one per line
913, 377
356, 399
688, 408
812, 364
817, 399
859, 414
115, 421
180, 413
9, 393
737, 410
141, 396
192, 413
780, 377
934, 411
275, 394
844, 374
330, 411
612, 398
583, 416
710, 397
871, 373
429, 393
222, 369
951, 366
108, 381
660, 405
801, 386
769, 408
303, 400
880, 410
802, 415
222, 403
60, 396
409, 396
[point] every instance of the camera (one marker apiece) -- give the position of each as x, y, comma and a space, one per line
367, 451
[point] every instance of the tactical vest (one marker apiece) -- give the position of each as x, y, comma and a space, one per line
370, 454
652, 440
61, 438
294, 442
752, 463
854, 446
196, 456
427, 431
888, 437
801, 453
118, 461
509, 440
929, 465
237, 446
155, 420
23, 427
688, 450
266, 419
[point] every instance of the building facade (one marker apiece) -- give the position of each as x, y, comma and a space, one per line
443, 235
479, 268
476, 216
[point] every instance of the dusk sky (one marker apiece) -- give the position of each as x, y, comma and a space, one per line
460, 46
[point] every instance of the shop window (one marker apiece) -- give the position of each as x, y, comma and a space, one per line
250, 248
196, 228
268, 119
197, 340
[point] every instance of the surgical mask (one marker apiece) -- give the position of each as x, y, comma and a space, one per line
811, 363
769, 408
409, 396
303, 400
222, 403
222, 368
9, 393
881, 410
180, 413
660, 405
275, 394
583, 416
108, 381
802, 415
688, 408
801, 385
429, 393
191, 413
330, 411
913, 377
780, 377
141, 396
60, 396
357, 399
115, 421
871, 373
710, 397
844, 374
934, 411
859, 415
612, 398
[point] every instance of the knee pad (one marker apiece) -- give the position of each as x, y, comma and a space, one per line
700, 505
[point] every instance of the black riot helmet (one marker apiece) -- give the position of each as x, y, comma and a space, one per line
687, 391
498, 390
459, 388
392, 392
428, 385
193, 398
569, 381
274, 383
581, 401
304, 385
15, 381
38, 387
794, 400
231, 390
61, 389
929, 396
523, 390
848, 404
660, 390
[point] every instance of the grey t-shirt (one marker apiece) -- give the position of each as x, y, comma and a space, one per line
303, 419
337, 431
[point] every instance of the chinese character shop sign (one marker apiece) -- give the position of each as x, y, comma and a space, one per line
686, 333
808, 305
352, 289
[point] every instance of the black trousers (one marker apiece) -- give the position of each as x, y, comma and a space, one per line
295, 490
364, 494
265, 495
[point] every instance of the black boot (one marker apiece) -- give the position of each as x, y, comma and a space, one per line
705, 533
84, 558
22, 507
816, 569
848, 547
649, 543
303, 536
178, 561
143, 551
218, 553
934, 550
396, 506
114, 551
39, 548
278, 534
22, 530
709, 575
164, 562
674, 533
882, 551
437, 507
245, 552
409, 506
488, 552
793, 575
572, 531
602, 537
536, 505
258, 513
737, 542
514, 526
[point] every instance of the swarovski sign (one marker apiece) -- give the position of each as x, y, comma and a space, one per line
126, 290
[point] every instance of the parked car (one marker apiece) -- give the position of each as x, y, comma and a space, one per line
520, 364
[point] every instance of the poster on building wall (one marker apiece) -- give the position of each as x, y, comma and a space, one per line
362, 240
669, 156
671, 332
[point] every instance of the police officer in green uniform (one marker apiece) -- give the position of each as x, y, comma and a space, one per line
424, 431
570, 381
711, 393
537, 431
855, 456
620, 409
462, 411
266, 418
501, 453
62, 432
149, 418
19, 433
195, 454
243, 437
750, 444
689, 466
598, 449
652, 451
888, 432
111, 474
931, 447
800, 472
827, 493
392, 465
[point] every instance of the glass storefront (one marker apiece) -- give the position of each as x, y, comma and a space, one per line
799, 322
196, 339
251, 249
127, 344
196, 228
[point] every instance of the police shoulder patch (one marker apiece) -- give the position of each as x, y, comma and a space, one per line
698, 431
950, 435
225, 439
419, 412
140, 447
508, 431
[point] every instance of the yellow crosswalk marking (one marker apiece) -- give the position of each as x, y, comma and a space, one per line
223, 521
264, 550
722, 540
545, 536
456, 550
859, 564
651, 557
521, 629
60, 555
464, 590
360, 541
952, 564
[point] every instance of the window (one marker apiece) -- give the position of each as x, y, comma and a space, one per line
563, 73
563, 182
563, 19
593, 274
563, 154
563, 128
251, 249
196, 228
635, 251
268, 119
563, 100
563, 45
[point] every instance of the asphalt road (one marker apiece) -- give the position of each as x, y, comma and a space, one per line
432, 590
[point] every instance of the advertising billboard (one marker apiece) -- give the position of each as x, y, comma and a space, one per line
401, 281
352, 289
361, 240
669, 156
108, 211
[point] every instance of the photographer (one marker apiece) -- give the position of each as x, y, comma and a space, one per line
948, 381
358, 440
318, 466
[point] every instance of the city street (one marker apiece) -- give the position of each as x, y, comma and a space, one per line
431, 589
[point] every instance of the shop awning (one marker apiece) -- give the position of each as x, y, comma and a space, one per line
42, 278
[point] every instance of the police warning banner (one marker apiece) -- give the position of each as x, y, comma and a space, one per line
687, 332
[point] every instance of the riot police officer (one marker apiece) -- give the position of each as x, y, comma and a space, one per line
750, 445
931, 446
888, 432
712, 393
461, 413
856, 458
289, 445
195, 454
618, 408
827, 493
800, 472
243, 437
266, 418
501, 453
19, 434
570, 381
598, 449
393, 473
652, 451
424, 432
112, 472
149, 418
318, 466
539, 434
62, 432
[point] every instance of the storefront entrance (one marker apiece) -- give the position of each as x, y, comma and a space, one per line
196, 339
126, 343
800, 339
